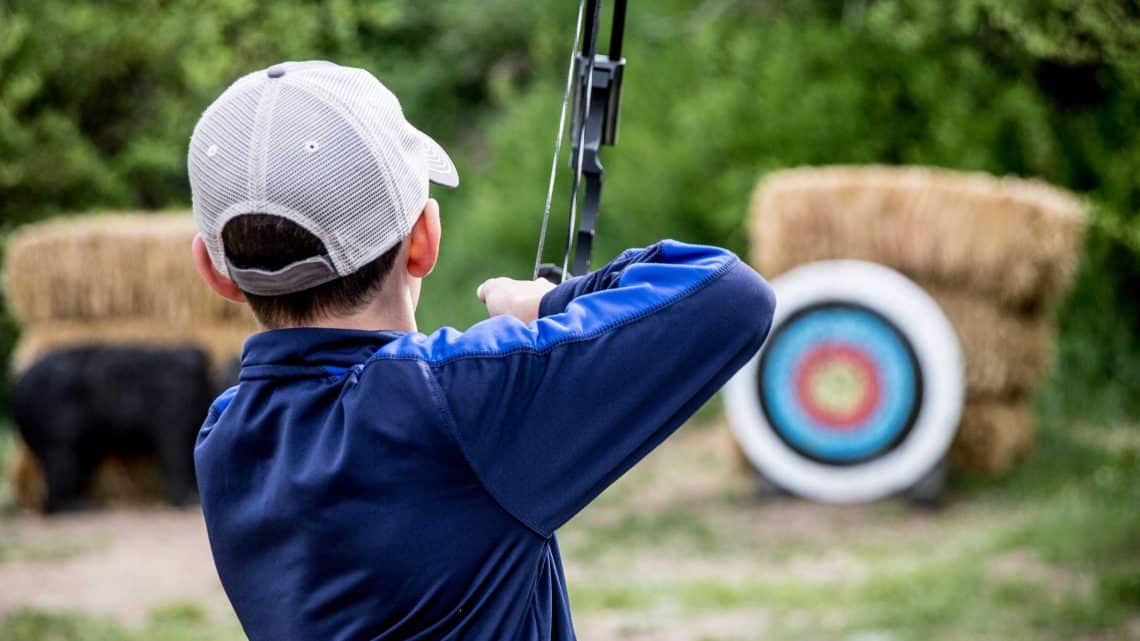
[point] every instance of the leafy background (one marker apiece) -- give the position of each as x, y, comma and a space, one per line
97, 100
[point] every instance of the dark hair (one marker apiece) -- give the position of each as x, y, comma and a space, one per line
265, 241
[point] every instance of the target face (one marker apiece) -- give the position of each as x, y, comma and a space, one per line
839, 383
858, 390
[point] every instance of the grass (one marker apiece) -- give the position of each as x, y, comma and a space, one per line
173, 622
50, 549
680, 550
1051, 552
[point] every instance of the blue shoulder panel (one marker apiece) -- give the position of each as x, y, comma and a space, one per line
221, 403
643, 288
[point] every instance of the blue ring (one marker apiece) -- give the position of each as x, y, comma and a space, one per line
845, 324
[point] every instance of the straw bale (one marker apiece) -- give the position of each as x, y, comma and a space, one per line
111, 266
117, 480
24, 476
738, 460
1007, 354
222, 342
993, 435
1016, 241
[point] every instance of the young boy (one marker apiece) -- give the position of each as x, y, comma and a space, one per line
365, 481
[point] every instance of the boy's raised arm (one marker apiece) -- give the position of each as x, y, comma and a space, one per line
551, 413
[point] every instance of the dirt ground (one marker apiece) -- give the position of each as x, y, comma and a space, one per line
124, 563
120, 564
685, 517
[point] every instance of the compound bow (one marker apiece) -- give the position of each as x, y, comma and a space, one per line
595, 81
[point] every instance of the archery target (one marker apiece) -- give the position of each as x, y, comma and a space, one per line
858, 390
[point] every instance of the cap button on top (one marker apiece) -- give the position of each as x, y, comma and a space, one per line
275, 72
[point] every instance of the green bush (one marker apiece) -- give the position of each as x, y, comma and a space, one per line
97, 101
714, 101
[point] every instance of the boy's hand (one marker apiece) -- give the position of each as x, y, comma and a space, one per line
518, 298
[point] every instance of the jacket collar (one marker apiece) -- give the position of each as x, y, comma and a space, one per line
309, 351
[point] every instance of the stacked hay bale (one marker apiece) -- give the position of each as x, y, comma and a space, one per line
996, 253
112, 279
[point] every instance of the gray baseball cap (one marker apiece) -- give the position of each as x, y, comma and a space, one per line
324, 146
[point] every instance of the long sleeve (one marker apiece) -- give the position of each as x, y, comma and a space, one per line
550, 414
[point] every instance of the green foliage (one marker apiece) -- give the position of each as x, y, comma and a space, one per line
712, 101
97, 101
1071, 31
1096, 372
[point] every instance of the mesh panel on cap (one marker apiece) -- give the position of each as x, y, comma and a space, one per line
375, 111
219, 160
320, 167
325, 146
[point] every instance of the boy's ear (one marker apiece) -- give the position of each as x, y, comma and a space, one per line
217, 282
423, 248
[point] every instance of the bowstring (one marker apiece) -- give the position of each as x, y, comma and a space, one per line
558, 142
572, 225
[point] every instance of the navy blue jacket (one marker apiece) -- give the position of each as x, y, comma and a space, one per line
388, 485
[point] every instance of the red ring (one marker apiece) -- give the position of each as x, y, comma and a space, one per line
823, 354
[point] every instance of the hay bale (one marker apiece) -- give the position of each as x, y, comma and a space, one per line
1012, 240
1007, 354
111, 266
125, 481
117, 481
993, 435
222, 342
24, 476
113, 279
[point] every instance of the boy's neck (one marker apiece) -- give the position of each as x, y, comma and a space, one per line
372, 324
384, 313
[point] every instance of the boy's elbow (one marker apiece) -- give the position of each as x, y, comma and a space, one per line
764, 302
749, 301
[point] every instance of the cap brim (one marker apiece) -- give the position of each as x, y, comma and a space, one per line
441, 170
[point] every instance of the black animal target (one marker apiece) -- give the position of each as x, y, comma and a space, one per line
857, 393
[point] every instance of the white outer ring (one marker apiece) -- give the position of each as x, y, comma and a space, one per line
940, 362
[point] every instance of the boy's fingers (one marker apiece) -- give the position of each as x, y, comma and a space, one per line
484, 290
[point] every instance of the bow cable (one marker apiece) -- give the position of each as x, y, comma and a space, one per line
558, 140
594, 123
589, 51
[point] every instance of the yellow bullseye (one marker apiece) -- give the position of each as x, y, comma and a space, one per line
838, 387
